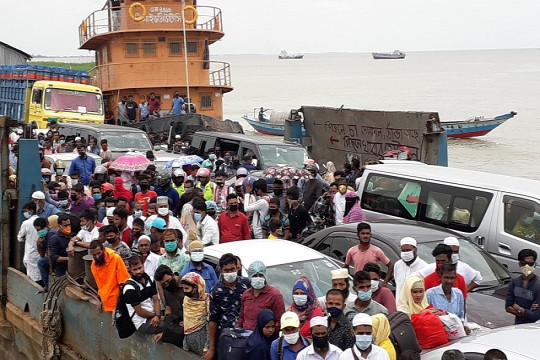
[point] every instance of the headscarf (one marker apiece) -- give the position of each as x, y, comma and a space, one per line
406, 302
304, 313
353, 211
119, 190
195, 308
381, 328
53, 222
258, 345
330, 170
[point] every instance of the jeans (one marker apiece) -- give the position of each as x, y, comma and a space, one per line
43, 266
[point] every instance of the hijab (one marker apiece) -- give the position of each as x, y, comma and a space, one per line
406, 302
258, 345
196, 307
119, 190
353, 211
304, 313
330, 170
381, 328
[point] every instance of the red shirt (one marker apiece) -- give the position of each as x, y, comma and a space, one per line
144, 199
269, 298
126, 236
233, 228
153, 105
385, 297
433, 280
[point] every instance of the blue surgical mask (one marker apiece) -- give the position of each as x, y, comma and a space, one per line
27, 215
364, 295
197, 216
137, 213
85, 228
96, 196
363, 341
63, 202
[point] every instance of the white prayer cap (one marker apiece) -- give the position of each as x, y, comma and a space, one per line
362, 319
451, 241
110, 211
38, 195
408, 241
318, 320
340, 274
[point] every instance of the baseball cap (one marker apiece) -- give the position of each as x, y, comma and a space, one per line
159, 224
290, 318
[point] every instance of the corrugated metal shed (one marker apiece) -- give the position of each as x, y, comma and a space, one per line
12, 56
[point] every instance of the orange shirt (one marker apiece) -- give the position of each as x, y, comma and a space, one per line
109, 277
144, 199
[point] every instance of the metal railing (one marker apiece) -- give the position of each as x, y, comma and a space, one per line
162, 73
105, 21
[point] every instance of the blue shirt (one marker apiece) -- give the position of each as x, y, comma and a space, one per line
225, 303
435, 296
207, 273
524, 297
288, 353
177, 105
48, 210
85, 168
171, 194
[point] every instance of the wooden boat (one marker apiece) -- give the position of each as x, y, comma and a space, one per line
393, 55
273, 125
477, 126
284, 55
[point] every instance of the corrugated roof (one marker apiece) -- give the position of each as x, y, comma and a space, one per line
28, 56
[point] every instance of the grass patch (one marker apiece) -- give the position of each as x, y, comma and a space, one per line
73, 66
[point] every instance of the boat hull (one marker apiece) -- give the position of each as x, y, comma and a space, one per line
382, 56
268, 128
468, 129
290, 57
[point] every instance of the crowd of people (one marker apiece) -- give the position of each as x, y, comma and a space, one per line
147, 232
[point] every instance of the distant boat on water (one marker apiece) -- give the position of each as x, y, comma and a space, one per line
473, 127
393, 55
284, 55
269, 125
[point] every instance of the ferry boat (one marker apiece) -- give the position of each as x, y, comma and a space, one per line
143, 47
393, 55
274, 124
474, 127
284, 55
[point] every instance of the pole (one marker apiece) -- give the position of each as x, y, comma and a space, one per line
188, 106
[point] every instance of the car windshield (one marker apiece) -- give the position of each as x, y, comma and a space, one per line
283, 155
127, 141
73, 101
493, 273
317, 271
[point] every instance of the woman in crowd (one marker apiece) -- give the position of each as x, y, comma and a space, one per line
330, 170
186, 217
258, 345
353, 211
412, 299
381, 334
305, 304
196, 304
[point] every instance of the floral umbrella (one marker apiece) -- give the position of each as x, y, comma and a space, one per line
285, 173
130, 162
183, 160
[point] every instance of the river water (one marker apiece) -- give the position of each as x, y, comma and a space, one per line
456, 84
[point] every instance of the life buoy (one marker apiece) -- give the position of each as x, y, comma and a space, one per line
137, 17
84, 28
195, 15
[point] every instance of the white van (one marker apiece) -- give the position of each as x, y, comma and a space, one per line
499, 213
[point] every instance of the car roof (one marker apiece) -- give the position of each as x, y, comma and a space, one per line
100, 127
241, 137
457, 176
503, 338
270, 252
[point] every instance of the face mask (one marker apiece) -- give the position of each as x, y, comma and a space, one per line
342, 189
66, 230
363, 341
528, 220
74, 182
197, 256
82, 154
42, 233
85, 228
47, 179
137, 213
407, 256
227, 158
59, 172
230, 277
274, 211
144, 187
104, 147
220, 183
527, 270
211, 213
334, 312
171, 286
100, 260
374, 285
212, 157
96, 196
188, 190
157, 147
320, 342
291, 339
455, 258
163, 211
62, 142
73, 197
197, 216
257, 283
364, 295
233, 207
27, 215
300, 300
63, 203
171, 246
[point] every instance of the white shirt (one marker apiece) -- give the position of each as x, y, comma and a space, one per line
151, 264
309, 353
28, 235
173, 223
209, 231
376, 353
339, 207
260, 210
88, 236
463, 269
402, 271
131, 218
147, 304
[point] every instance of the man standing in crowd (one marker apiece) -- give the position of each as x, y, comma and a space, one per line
83, 164
445, 296
154, 105
28, 235
58, 245
364, 347
120, 220
364, 303
524, 291
177, 103
196, 265
259, 205
409, 263
150, 259
165, 190
174, 258
112, 234
233, 225
79, 200
208, 227
44, 209
340, 332
131, 109
299, 218
204, 183
380, 294
320, 348
443, 255
174, 306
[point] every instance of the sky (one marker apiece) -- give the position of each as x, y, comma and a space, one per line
50, 27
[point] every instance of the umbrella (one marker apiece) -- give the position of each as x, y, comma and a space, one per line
183, 160
131, 162
285, 173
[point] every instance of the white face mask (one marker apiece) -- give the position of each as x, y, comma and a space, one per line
197, 256
374, 285
291, 339
257, 282
300, 300
74, 182
163, 211
407, 256
230, 277
455, 258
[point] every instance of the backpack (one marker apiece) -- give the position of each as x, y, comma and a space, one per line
402, 335
123, 321
232, 344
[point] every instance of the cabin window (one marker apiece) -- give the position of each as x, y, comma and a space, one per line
149, 48
132, 49
206, 102
175, 48
192, 47
522, 218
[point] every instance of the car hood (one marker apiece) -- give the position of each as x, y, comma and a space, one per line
487, 308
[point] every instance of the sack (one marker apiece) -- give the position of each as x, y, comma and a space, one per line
232, 344
403, 336
123, 322
453, 326
429, 330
